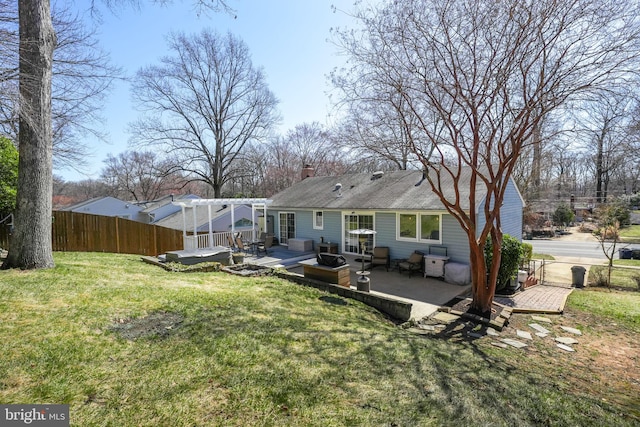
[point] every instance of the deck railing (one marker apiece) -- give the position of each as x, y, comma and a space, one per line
201, 241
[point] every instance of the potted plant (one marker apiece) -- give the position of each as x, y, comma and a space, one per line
238, 257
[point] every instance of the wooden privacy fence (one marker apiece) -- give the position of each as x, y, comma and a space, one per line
78, 232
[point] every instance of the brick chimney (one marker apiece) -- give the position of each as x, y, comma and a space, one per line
307, 172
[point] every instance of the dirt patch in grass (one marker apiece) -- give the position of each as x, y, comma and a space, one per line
606, 361
160, 324
607, 357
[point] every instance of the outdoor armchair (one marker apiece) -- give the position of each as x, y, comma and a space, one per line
412, 264
264, 246
380, 256
240, 244
232, 245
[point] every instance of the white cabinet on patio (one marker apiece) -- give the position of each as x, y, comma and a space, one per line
434, 265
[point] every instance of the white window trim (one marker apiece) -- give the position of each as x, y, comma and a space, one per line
315, 226
418, 227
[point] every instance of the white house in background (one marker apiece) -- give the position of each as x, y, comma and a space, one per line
155, 210
220, 218
149, 212
110, 206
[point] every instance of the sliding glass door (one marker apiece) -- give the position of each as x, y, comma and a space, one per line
287, 227
355, 221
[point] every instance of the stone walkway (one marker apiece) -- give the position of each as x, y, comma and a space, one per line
551, 296
537, 299
538, 328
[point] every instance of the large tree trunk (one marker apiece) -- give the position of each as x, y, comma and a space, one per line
31, 242
483, 281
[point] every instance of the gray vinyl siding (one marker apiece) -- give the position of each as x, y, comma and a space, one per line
331, 231
453, 239
510, 213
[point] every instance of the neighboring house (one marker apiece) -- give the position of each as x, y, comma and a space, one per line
157, 210
148, 212
399, 206
110, 206
220, 218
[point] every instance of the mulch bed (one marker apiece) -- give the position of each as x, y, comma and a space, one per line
499, 317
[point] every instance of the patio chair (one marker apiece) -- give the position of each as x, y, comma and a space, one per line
240, 245
232, 245
380, 256
264, 246
412, 264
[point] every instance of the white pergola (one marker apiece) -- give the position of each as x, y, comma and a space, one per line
256, 205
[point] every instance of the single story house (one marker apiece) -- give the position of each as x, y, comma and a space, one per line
399, 206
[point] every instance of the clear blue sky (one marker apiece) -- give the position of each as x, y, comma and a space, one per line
289, 39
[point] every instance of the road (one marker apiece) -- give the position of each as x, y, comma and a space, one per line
573, 248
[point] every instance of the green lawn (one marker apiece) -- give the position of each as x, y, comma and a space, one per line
622, 275
630, 234
261, 351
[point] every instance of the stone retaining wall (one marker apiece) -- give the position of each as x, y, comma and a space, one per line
397, 309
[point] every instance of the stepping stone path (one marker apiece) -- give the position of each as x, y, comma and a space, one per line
493, 332
564, 343
524, 334
572, 330
513, 343
541, 319
567, 340
539, 328
565, 347
441, 316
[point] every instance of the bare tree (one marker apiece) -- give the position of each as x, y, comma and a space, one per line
31, 242
204, 104
81, 77
604, 124
489, 72
372, 126
138, 176
267, 168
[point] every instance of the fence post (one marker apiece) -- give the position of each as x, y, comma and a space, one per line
117, 237
155, 240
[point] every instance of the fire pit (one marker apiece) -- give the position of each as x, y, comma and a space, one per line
247, 270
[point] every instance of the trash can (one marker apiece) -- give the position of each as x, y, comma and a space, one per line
635, 253
577, 275
625, 253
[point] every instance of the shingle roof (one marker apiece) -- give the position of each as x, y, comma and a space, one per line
150, 206
395, 190
87, 202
